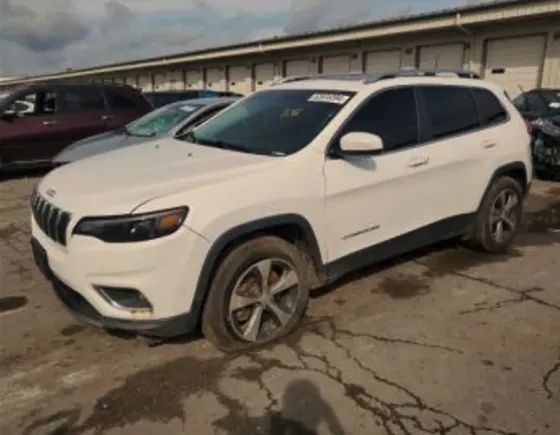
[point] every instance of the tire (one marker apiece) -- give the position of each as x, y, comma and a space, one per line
484, 236
228, 328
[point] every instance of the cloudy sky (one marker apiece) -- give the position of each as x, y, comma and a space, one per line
38, 36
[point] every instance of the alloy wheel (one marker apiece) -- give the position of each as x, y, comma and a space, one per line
503, 216
264, 300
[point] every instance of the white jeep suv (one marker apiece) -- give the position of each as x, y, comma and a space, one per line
230, 226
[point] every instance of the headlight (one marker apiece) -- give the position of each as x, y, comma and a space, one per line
133, 228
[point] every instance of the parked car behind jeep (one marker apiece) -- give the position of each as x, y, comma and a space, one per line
172, 120
538, 103
39, 120
162, 98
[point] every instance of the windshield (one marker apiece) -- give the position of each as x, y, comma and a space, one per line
161, 121
273, 122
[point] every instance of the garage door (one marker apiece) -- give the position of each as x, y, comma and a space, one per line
296, 67
175, 80
145, 82
215, 79
386, 60
442, 56
160, 82
515, 63
335, 64
193, 79
240, 79
131, 81
264, 75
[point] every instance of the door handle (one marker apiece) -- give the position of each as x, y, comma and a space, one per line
418, 161
489, 144
106, 117
50, 122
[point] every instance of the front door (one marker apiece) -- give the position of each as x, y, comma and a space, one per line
31, 128
372, 199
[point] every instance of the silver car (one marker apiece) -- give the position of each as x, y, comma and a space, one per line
170, 120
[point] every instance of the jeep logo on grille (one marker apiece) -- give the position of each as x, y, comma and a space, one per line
51, 192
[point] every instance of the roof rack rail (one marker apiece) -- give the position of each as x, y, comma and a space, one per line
423, 72
382, 75
322, 76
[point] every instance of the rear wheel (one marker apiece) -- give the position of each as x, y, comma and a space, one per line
499, 218
260, 293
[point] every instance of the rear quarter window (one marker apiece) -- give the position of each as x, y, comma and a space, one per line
489, 107
119, 101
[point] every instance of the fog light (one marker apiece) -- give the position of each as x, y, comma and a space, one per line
124, 298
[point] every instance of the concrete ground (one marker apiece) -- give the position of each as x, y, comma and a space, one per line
442, 342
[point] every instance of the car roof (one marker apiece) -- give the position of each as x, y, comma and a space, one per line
209, 100
174, 91
356, 82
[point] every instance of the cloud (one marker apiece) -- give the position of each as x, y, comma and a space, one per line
38, 36
312, 15
39, 29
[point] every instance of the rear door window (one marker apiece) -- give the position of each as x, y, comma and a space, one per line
489, 107
80, 99
118, 101
450, 110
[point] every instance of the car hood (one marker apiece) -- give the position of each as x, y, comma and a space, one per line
100, 143
119, 181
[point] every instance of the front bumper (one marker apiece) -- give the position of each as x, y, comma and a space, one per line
164, 271
84, 312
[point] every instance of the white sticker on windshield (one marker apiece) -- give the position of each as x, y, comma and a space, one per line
188, 108
329, 98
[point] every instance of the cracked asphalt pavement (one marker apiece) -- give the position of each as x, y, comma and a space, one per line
444, 341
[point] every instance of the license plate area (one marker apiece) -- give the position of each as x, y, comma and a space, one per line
40, 258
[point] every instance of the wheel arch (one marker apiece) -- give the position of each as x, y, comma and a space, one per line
291, 227
516, 170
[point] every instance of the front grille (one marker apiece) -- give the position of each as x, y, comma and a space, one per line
52, 220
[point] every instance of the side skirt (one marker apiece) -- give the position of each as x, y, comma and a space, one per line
416, 239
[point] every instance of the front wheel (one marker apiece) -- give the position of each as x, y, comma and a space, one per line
499, 218
259, 293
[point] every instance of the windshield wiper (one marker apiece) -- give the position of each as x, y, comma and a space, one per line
188, 136
147, 134
225, 145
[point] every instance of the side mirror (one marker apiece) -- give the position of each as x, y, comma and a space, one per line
359, 143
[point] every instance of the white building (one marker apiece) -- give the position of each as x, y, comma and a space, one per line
515, 43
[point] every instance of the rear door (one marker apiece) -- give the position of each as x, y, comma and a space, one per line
457, 151
82, 113
32, 127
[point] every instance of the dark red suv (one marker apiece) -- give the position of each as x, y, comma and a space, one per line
38, 120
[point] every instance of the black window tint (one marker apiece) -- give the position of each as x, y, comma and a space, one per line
450, 110
489, 107
536, 103
119, 101
551, 96
80, 99
391, 115
520, 103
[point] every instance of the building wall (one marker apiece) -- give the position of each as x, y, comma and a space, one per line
482, 48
